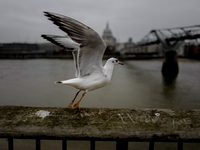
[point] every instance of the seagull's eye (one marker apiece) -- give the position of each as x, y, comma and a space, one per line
116, 60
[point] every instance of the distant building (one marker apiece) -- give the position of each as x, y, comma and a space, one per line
109, 40
126, 45
20, 50
51, 49
18, 47
192, 50
108, 37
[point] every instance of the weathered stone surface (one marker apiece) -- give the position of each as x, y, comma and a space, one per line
99, 123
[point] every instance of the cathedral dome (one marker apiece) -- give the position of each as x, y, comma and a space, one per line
107, 36
107, 30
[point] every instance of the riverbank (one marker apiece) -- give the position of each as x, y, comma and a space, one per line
121, 57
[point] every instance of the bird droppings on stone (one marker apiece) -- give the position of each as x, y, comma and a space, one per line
42, 113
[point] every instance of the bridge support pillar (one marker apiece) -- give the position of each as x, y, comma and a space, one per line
170, 65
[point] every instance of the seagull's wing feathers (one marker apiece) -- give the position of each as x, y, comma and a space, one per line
66, 43
92, 47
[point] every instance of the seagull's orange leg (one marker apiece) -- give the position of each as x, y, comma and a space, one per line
70, 105
77, 104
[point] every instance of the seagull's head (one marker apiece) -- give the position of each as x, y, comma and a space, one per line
115, 61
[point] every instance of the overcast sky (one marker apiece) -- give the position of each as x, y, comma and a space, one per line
23, 20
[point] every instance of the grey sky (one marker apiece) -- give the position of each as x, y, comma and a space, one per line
23, 20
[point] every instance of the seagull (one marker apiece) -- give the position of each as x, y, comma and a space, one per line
87, 48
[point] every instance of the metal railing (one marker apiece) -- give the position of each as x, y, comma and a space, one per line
120, 144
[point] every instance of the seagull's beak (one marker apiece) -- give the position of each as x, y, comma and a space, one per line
120, 63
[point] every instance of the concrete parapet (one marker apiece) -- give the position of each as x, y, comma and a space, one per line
99, 123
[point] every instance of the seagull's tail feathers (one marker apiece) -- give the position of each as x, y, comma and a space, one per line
58, 82
75, 82
64, 42
67, 82
61, 82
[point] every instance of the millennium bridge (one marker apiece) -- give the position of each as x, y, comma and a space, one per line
170, 39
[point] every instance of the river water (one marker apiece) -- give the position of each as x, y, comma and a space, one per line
137, 84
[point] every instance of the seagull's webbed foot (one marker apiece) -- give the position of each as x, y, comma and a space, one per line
77, 106
70, 105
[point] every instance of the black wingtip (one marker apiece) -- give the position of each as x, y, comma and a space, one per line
45, 12
46, 37
52, 39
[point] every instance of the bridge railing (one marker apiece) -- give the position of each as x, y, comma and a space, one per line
99, 124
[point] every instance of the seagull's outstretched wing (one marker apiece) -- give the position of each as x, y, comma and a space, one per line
92, 47
66, 43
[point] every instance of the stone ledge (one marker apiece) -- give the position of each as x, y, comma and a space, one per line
99, 123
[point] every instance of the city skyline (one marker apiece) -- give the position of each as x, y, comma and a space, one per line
23, 21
